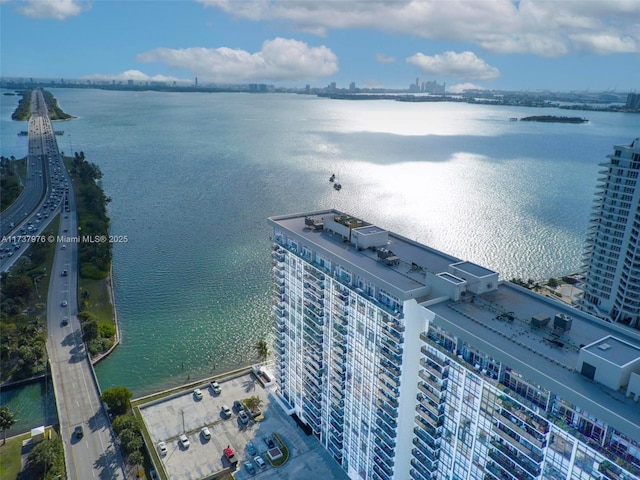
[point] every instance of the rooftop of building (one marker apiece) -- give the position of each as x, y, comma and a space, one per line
406, 279
614, 351
497, 322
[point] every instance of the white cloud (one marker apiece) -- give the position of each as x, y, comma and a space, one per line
465, 65
461, 87
135, 75
279, 59
382, 58
55, 9
539, 27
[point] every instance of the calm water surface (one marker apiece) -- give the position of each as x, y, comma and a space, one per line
194, 176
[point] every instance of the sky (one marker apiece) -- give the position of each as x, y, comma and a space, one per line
558, 45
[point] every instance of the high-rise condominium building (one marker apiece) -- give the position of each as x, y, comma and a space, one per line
407, 363
612, 253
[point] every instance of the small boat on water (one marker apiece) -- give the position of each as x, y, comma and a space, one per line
513, 119
332, 177
337, 186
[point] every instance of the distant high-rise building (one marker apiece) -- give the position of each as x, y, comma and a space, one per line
196, 81
612, 253
408, 363
352, 87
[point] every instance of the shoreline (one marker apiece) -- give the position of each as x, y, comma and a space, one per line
112, 299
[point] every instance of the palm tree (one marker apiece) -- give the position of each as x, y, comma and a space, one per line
262, 349
252, 403
7, 420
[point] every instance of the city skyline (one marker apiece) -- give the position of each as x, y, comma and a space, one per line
500, 44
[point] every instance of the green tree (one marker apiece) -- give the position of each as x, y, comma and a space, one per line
46, 460
7, 420
125, 422
117, 399
136, 458
262, 350
131, 440
552, 282
89, 330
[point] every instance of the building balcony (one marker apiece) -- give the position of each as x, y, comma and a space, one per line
381, 473
416, 475
387, 439
424, 466
517, 445
385, 407
396, 349
383, 460
426, 439
435, 410
390, 380
384, 457
437, 384
434, 358
342, 331
341, 299
426, 391
392, 335
497, 472
313, 275
434, 370
508, 467
339, 361
388, 398
513, 455
390, 389
519, 429
385, 421
393, 357
435, 432
391, 369
433, 420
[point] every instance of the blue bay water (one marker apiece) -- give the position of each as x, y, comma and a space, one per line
193, 176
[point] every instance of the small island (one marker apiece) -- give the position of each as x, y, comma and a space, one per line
553, 119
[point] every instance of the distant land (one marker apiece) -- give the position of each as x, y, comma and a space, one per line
553, 119
585, 101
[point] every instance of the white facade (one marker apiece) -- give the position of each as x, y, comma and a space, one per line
407, 363
612, 252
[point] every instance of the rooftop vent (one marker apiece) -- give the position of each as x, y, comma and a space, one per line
604, 346
540, 320
562, 322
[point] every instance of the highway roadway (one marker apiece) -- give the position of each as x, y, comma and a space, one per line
94, 455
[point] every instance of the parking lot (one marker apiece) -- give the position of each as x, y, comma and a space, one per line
167, 419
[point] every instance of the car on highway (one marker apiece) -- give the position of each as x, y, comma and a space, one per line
248, 466
162, 448
64, 273
197, 393
184, 441
78, 431
206, 434
64, 303
65, 321
259, 460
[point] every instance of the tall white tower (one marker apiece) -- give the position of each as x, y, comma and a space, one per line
612, 252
